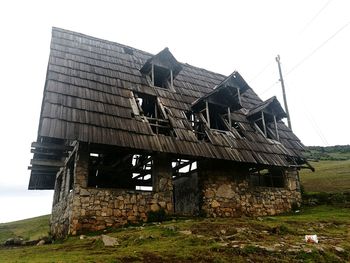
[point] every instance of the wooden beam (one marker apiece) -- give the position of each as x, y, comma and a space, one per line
182, 165
229, 117
43, 168
143, 182
276, 129
141, 162
52, 163
36, 151
207, 112
143, 173
51, 146
152, 74
263, 122
171, 80
239, 96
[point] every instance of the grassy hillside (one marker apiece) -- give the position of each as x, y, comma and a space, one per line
266, 239
337, 152
330, 176
332, 173
28, 229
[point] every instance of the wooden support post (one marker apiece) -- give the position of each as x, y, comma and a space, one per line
263, 122
156, 117
239, 96
276, 129
207, 112
152, 74
171, 79
229, 117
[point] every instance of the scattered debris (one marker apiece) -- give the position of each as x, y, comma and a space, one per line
41, 242
186, 232
311, 239
14, 241
339, 249
82, 237
109, 241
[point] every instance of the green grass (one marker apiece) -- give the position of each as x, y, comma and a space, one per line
337, 152
266, 239
28, 229
330, 176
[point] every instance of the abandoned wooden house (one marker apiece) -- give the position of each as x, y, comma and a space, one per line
123, 132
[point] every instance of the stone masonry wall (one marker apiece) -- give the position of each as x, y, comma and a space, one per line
96, 209
92, 209
226, 192
60, 217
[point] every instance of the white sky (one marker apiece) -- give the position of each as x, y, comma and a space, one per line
221, 36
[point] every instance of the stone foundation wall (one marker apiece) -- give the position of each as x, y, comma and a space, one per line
90, 209
60, 217
218, 188
96, 209
226, 192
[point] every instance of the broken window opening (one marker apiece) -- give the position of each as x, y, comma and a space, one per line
197, 125
161, 77
110, 170
273, 177
142, 172
266, 124
156, 114
183, 167
213, 116
236, 125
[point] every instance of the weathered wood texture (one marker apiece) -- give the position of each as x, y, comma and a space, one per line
87, 98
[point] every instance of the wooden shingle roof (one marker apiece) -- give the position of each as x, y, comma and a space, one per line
87, 98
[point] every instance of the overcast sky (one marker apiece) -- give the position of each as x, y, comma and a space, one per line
312, 38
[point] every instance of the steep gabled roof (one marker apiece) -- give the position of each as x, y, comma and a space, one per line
227, 93
88, 94
271, 106
163, 59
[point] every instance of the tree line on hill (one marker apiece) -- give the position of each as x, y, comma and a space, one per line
333, 153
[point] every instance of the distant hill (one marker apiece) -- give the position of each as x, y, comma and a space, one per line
28, 229
337, 152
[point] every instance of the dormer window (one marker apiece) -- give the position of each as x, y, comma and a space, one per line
266, 124
161, 77
161, 70
264, 117
215, 107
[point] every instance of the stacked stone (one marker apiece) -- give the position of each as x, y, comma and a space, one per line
225, 197
97, 209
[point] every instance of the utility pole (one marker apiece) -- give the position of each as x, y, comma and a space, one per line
283, 91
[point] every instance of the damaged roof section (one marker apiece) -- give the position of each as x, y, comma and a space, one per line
102, 92
270, 106
225, 94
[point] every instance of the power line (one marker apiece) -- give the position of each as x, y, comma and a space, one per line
309, 55
317, 48
270, 87
313, 123
315, 16
262, 70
